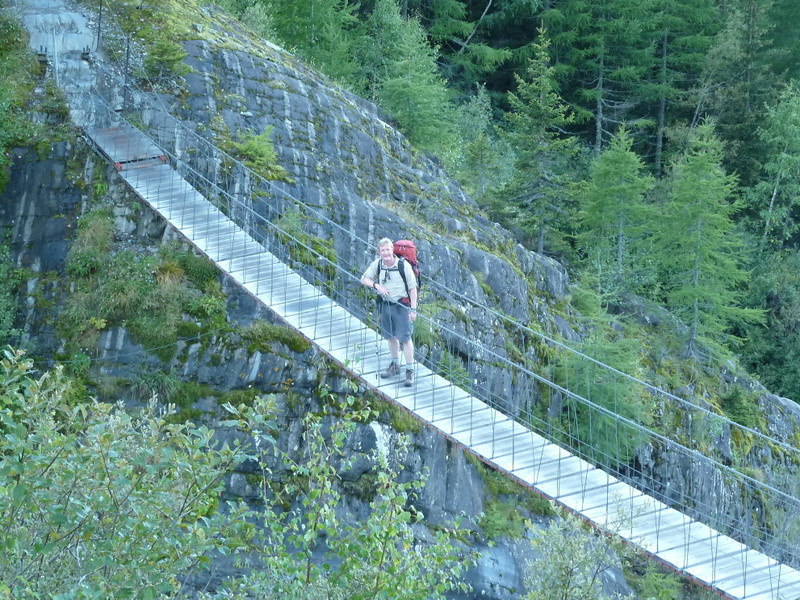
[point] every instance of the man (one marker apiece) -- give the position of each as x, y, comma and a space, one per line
397, 307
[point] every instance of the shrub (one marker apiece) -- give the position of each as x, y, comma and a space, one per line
9, 280
260, 336
108, 504
156, 384
258, 153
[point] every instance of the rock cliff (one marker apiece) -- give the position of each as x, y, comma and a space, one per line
346, 161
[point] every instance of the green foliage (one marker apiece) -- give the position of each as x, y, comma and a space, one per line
737, 102
158, 385
376, 557
17, 77
614, 217
150, 295
774, 201
9, 280
742, 407
89, 251
210, 308
305, 248
400, 70
452, 368
97, 503
683, 31
698, 251
258, 153
164, 60
598, 433
535, 199
321, 31
501, 518
100, 503
569, 562
773, 348
658, 585
602, 52
189, 392
260, 336
199, 269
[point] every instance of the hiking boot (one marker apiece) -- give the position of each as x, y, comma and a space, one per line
409, 378
392, 370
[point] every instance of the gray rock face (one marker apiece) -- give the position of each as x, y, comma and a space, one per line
350, 166
39, 209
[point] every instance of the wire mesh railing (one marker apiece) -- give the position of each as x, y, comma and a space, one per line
685, 454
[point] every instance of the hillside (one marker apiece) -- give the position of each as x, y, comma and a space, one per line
342, 178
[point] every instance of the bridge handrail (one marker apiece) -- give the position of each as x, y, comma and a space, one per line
527, 416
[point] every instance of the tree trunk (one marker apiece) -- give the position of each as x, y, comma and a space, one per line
662, 109
768, 220
598, 123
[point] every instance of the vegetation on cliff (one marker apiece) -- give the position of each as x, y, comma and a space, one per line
102, 502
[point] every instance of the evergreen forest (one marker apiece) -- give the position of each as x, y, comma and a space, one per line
651, 147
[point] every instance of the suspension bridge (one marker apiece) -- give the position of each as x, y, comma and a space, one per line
584, 456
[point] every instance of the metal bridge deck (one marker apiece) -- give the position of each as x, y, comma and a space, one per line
688, 546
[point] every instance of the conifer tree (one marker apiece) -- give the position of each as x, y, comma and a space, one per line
602, 52
698, 249
401, 74
483, 154
743, 85
683, 33
613, 216
535, 199
465, 58
775, 199
784, 43
772, 350
322, 31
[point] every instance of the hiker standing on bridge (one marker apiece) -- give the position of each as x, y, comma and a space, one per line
397, 294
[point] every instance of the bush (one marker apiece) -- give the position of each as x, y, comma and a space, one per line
104, 504
260, 336
258, 153
9, 280
100, 503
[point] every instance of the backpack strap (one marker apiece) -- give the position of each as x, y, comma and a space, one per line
401, 266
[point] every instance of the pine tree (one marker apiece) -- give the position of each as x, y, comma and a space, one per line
613, 215
480, 167
683, 33
698, 250
465, 58
602, 52
775, 199
742, 86
401, 74
772, 350
535, 198
784, 43
321, 31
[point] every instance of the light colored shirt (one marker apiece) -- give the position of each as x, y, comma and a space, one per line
390, 278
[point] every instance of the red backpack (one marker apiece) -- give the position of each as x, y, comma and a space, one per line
407, 249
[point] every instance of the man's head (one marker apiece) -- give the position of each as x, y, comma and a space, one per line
386, 248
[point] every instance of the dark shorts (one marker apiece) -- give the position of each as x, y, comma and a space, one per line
395, 322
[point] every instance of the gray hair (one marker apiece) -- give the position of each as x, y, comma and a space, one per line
385, 242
